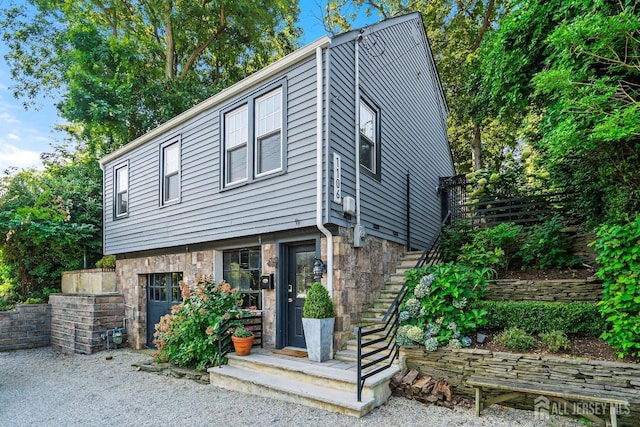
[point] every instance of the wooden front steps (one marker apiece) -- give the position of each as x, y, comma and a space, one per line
375, 314
330, 385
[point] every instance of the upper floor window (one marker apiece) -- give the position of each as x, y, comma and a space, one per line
268, 132
236, 131
369, 138
121, 186
170, 173
259, 120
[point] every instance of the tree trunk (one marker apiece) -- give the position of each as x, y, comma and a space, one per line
170, 51
476, 148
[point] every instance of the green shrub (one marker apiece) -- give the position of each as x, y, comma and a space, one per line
189, 335
436, 310
107, 261
491, 247
618, 250
452, 239
573, 318
545, 246
555, 340
516, 338
318, 304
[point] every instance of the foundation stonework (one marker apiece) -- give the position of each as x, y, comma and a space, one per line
27, 326
132, 283
358, 277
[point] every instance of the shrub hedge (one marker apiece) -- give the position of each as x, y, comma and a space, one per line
573, 318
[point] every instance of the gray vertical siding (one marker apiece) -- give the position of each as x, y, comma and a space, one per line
399, 77
207, 213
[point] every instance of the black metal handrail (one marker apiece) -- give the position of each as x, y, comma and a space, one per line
391, 322
253, 323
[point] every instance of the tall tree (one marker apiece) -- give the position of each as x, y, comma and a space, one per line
456, 30
122, 67
575, 65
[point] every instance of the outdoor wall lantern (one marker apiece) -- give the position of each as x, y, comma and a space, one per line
319, 268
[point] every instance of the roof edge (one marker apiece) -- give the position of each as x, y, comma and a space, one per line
255, 78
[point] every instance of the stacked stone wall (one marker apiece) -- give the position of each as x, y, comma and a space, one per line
78, 321
615, 379
27, 326
560, 290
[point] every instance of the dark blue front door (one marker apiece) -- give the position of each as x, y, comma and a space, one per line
163, 292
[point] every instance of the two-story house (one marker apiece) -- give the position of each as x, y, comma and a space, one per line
333, 153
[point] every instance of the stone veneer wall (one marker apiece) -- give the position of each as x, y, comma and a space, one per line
456, 366
560, 290
132, 283
27, 326
77, 321
359, 276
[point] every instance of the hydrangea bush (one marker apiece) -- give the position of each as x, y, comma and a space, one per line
189, 335
436, 311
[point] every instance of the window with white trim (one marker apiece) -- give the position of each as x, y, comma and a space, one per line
170, 173
254, 135
236, 132
121, 199
368, 136
268, 139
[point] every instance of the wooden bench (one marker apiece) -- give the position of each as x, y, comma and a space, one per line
557, 393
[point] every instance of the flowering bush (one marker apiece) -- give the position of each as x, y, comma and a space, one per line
436, 310
189, 335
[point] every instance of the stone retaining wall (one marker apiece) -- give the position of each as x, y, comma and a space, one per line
79, 320
559, 290
28, 326
456, 366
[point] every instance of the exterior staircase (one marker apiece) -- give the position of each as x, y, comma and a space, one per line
376, 313
329, 385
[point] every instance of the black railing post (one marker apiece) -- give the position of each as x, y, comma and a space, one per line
359, 364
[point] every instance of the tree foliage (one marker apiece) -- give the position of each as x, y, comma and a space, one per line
50, 221
576, 66
122, 67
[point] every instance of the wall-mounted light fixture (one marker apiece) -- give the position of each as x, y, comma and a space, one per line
319, 268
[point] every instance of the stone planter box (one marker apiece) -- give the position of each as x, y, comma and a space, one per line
89, 282
27, 326
456, 366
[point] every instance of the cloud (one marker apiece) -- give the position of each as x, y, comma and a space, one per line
10, 155
8, 118
14, 137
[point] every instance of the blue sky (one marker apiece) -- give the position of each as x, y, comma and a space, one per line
24, 135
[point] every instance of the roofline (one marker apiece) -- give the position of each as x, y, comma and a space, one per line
242, 85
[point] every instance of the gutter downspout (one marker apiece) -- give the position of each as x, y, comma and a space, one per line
356, 138
319, 177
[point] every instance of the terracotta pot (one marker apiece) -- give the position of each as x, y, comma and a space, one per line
242, 345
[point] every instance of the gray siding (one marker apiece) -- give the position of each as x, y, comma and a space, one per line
205, 213
399, 77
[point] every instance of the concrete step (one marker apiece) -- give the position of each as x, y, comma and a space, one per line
330, 385
384, 303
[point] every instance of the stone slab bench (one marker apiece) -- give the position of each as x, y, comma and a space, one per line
553, 392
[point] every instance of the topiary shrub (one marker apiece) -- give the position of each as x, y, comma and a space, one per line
107, 261
574, 318
318, 304
555, 340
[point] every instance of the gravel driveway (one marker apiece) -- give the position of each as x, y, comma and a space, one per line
40, 387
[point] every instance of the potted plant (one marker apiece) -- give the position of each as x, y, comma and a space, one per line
242, 340
318, 319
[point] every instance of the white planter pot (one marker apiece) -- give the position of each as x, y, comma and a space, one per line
318, 334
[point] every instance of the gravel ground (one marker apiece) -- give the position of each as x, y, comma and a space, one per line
40, 387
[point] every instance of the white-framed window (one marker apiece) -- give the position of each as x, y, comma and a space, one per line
236, 136
254, 136
268, 132
368, 136
170, 173
121, 193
